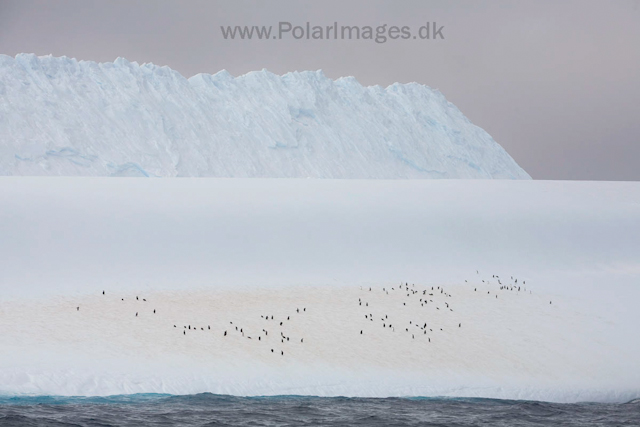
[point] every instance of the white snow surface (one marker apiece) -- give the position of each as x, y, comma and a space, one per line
207, 252
60, 116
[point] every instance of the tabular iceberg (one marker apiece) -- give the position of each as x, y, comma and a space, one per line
60, 116
535, 287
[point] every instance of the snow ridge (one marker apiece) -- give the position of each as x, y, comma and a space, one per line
60, 116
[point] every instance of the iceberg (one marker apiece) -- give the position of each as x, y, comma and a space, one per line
63, 117
528, 289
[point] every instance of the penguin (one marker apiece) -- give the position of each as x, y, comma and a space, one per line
77, 308
459, 325
271, 350
136, 298
136, 314
184, 332
225, 333
154, 311
102, 292
360, 332
281, 353
259, 339
301, 339
209, 327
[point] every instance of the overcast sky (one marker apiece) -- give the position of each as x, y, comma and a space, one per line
556, 83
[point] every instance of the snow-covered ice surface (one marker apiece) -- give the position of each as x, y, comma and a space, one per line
59, 116
207, 252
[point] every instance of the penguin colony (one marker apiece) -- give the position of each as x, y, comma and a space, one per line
433, 301
428, 298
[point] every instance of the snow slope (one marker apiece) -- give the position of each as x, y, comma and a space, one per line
59, 116
207, 252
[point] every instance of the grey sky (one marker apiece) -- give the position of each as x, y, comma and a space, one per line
557, 83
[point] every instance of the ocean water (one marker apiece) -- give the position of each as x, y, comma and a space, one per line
217, 410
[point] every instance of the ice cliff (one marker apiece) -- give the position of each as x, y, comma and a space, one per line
60, 116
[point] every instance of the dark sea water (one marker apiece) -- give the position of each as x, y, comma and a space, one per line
215, 410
